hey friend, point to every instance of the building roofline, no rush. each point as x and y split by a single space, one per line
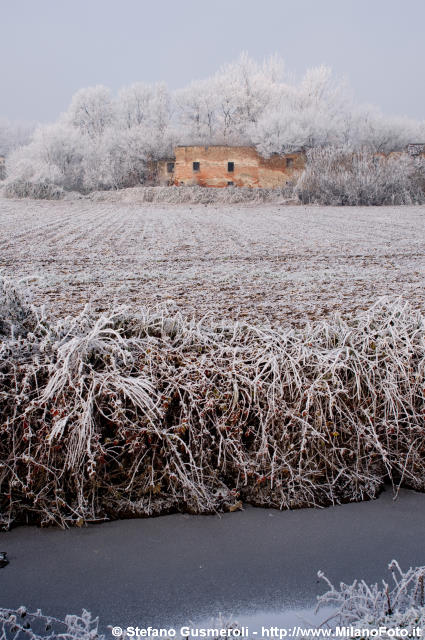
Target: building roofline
225 146
239 146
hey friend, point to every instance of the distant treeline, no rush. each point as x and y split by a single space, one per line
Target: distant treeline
105 142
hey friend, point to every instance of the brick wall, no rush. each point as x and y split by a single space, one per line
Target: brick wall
249 168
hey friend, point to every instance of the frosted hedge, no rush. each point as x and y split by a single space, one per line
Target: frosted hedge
120 415
341 176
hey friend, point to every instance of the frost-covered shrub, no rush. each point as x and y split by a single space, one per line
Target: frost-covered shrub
362 606
115 415
418 175
195 194
16 314
35 190
341 176
34 625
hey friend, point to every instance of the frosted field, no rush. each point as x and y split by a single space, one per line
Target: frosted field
254 262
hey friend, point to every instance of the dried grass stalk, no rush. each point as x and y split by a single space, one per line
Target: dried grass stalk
390 606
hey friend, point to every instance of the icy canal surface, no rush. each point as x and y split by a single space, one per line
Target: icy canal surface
258 565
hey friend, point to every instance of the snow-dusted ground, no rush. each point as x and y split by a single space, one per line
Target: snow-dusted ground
256 262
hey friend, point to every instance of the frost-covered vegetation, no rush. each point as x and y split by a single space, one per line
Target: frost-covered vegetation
37 190
22 624
105 141
365 607
195 195
335 176
361 607
118 415
14 135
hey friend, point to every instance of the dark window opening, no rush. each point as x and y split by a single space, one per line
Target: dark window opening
230 167
230 184
196 166
170 167
289 162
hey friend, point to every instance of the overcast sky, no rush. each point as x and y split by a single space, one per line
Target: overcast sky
51 48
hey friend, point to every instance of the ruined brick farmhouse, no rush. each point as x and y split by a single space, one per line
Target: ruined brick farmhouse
239 166
225 166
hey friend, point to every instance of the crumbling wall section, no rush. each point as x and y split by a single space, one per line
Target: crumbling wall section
223 166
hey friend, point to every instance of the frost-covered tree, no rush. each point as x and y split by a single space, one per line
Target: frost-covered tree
144 105
54 155
14 135
371 129
198 112
99 142
91 111
312 113
227 106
